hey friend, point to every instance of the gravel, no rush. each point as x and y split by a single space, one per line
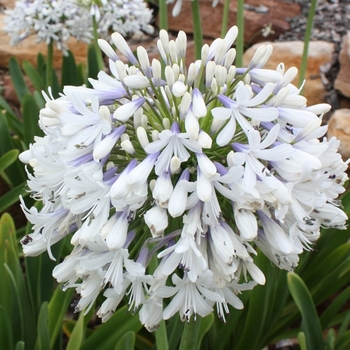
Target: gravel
331 21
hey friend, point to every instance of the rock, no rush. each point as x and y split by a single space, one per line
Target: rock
339 126
9 4
28 49
342 82
290 53
257 15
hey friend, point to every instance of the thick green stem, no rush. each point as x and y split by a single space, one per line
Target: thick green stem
310 22
190 334
163 15
225 16
240 36
49 62
197 29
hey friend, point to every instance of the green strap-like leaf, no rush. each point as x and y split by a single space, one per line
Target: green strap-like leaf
33 75
76 338
6 339
329 314
302 341
30 112
330 340
206 323
43 339
8 158
108 334
161 336
20 345
11 197
58 306
17 79
127 342
310 325
70 74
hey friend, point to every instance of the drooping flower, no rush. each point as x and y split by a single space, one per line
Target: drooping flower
199 180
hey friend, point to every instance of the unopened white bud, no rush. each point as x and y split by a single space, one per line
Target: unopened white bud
178 88
142 137
155 135
175 165
166 123
127 146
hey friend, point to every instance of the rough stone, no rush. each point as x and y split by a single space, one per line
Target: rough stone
9 4
257 15
28 49
339 126
290 53
342 82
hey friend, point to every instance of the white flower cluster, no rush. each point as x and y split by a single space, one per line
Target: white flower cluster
170 180
123 16
58 20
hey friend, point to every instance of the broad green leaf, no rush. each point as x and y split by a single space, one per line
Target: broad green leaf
6 106
175 329
39 99
310 325
58 306
127 342
77 335
70 74
41 63
16 171
327 266
107 335
332 310
14 124
93 64
11 197
14 294
30 112
8 158
343 336
161 336
33 75
6 339
258 309
302 341
330 340
56 88
17 79
206 323
20 345
43 339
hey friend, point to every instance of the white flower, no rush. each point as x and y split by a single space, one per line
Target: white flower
191 297
140 169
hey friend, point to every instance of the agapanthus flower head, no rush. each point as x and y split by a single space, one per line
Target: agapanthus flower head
51 21
199 167
56 21
123 16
